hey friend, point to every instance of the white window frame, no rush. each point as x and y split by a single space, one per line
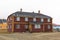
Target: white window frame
34 19
48 20
42 19
49 27
17 26
17 18
37 26
26 18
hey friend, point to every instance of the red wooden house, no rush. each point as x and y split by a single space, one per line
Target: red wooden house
29 21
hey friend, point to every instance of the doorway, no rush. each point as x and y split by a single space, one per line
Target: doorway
26 27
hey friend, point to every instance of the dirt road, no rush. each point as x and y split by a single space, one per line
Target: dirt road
31 36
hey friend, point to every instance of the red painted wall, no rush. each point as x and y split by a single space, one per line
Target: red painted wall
46 28
30 19
21 29
10 28
38 20
22 19
37 30
41 29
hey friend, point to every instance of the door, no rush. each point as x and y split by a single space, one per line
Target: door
30 28
26 27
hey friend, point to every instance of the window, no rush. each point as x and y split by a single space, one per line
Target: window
48 26
17 26
48 20
26 19
42 19
18 19
10 26
37 26
34 19
26 26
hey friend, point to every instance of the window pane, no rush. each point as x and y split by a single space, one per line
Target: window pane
37 26
26 19
18 19
17 26
48 20
34 19
42 19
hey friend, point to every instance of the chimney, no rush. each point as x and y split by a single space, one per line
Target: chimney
33 12
38 11
21 10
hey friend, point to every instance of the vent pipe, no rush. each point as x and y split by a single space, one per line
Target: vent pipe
21 10
38 11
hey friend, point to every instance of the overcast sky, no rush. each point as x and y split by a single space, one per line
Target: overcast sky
47 7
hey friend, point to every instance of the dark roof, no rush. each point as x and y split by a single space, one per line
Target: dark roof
29 14
3 20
